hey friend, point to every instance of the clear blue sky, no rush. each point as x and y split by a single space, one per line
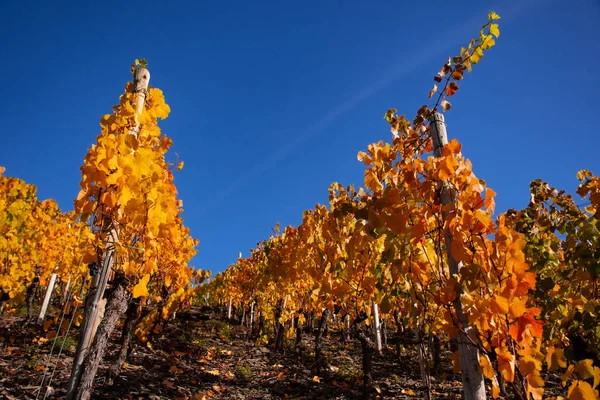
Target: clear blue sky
272 100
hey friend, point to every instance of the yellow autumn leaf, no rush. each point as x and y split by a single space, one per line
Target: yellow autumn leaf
214 372
180 166
494 30
499 305
486 367
371 180
535 380
567 375
528 365
141 288
585 369
109 199
581 390
476 55
517 307
125 195
316 379
487 42
493 16
555 358
536 392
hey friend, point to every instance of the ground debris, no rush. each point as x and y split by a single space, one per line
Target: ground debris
203 358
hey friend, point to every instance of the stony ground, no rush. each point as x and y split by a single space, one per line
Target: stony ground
212 359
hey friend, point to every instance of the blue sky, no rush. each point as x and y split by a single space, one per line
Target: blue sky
272 100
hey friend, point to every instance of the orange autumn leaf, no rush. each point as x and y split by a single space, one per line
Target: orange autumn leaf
446 167
451 89
490 204
453 147
459 251
433 90
506 363
445 105
175 370
526 322
495 388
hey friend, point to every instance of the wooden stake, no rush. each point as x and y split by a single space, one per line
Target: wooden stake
229 309
90 320
47 299
251 315
63 300
376 326
472 376
100 310
423 364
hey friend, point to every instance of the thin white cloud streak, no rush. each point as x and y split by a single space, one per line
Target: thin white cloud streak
434 49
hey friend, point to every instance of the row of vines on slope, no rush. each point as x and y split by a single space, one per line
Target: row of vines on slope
36 241
419 240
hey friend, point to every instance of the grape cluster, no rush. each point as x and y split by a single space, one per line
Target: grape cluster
93 267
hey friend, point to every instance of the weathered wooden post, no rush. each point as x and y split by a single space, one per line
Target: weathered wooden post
376 326
65 293
472 376
423 363
347 326
49 291
95 302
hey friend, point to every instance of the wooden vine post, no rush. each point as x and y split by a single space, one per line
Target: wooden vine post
95 302
376 327
423 363
65 293
472 376
47 298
